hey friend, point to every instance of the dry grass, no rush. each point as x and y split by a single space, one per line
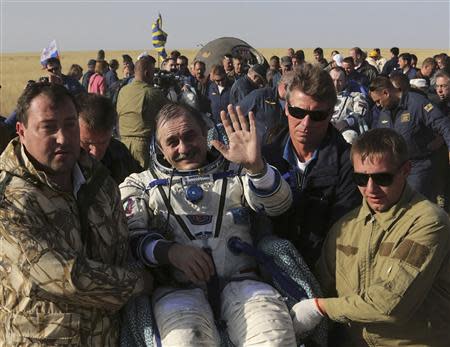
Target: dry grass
17 69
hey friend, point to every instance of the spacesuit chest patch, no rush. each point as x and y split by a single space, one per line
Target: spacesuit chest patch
240 216
199 219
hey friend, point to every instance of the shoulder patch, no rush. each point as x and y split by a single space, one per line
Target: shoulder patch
405 117
412 253
428 107
270 101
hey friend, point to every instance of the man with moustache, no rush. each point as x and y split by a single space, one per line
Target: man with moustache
186 208
314 157
64 237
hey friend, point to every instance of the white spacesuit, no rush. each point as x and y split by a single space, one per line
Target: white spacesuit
205 208
348 115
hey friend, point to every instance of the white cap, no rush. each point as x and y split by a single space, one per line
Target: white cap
143 54
338 58
418 83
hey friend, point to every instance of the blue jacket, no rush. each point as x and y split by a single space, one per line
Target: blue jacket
72 85
322 194
85 80
218 102
268 110
391 65
242 87
110 78
418 121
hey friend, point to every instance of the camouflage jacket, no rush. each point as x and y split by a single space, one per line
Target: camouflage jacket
63 280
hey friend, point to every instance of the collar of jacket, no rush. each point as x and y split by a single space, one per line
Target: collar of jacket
388 218
291 157
327 152
15 161
215 87
402 105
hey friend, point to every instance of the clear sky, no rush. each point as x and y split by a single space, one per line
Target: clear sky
28 26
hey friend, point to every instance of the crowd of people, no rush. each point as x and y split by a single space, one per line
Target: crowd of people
114 188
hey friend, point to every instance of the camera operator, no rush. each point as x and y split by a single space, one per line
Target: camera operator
176 82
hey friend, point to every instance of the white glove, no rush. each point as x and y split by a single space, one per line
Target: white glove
305 316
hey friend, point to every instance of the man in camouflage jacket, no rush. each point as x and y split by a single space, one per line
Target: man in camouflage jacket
64 238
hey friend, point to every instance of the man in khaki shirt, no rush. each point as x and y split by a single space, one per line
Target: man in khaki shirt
137 106
385 266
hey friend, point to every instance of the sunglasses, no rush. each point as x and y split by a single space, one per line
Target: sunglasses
300 113
383 179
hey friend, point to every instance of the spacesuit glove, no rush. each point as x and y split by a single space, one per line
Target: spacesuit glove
305 316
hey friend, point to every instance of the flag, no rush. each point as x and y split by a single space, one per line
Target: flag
50 52
159 37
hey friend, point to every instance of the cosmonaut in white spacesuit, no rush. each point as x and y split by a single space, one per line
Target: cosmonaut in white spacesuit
182 212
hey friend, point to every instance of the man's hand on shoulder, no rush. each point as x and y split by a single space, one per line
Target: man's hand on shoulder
194 262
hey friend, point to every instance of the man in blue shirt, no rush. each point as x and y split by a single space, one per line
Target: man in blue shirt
268 106
218 91
255 78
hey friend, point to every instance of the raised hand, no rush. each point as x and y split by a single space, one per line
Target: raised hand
244 146
194 262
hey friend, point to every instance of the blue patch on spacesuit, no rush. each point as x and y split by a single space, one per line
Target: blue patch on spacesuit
199 219
241 216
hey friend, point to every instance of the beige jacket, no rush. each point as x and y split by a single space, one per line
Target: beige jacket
389 274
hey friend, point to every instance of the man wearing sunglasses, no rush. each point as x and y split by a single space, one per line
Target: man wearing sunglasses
218 91
385 266
55 75
314 158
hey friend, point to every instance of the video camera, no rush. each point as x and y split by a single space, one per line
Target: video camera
166 80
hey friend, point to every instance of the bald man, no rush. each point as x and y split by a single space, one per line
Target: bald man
137 106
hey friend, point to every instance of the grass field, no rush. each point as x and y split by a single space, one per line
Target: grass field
16 69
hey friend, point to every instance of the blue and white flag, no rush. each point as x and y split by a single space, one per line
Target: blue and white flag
50 52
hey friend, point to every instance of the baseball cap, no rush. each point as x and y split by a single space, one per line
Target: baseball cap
338 59
373 53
